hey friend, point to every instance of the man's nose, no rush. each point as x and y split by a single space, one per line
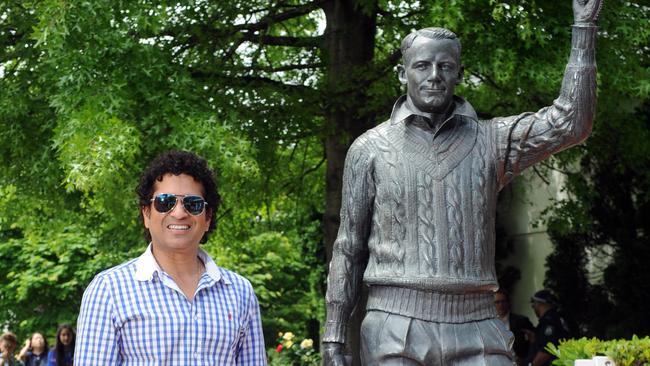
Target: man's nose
178 210
435 73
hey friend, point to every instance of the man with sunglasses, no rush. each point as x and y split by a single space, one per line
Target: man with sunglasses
172 305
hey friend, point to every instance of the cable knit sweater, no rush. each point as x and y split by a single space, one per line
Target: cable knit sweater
417 216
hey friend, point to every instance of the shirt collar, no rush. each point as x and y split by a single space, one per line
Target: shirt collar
402 110
146 265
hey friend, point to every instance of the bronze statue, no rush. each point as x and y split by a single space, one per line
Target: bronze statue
419 201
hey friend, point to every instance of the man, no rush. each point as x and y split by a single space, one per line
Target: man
172 305
517 324
419 201
550 329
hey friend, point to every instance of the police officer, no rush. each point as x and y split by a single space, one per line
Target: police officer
550 329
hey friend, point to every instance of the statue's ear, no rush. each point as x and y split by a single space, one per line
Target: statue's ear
461 73
401 74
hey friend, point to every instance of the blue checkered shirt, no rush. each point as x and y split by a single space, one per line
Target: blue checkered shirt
135 314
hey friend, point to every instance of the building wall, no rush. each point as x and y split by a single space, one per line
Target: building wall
520 208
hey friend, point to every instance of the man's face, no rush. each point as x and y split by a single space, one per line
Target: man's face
537 307
431 71
501 303
176 230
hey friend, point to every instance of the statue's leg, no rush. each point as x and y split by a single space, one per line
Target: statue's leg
384 339
395 340
498 341
481 343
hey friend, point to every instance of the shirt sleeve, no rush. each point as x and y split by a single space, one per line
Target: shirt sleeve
350 253
528 138
251 350
548 333
97 338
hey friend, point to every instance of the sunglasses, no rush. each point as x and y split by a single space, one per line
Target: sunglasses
165 202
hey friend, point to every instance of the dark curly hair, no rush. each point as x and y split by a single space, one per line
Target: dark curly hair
177 163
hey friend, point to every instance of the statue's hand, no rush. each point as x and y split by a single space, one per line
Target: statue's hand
333 354
586 11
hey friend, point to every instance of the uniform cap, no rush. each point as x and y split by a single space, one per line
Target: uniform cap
544 296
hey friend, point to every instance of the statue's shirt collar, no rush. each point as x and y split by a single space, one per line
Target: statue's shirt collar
439 153
402 110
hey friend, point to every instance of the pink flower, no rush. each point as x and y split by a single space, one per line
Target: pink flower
278 349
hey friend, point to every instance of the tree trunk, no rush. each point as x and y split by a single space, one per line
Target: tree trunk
349 46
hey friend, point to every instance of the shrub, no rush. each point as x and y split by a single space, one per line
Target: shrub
634 352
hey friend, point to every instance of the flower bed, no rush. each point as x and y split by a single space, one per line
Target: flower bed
290 353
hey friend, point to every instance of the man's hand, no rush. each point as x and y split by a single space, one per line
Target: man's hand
333 354
530 335
585 12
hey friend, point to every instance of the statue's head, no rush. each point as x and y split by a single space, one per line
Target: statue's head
431 68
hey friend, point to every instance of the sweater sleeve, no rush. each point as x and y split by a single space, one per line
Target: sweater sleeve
528 138
349 256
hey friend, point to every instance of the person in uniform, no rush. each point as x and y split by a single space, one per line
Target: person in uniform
552 327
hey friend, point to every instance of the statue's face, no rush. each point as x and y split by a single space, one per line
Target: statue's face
431 71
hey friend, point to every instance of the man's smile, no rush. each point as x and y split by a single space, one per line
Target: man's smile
178 227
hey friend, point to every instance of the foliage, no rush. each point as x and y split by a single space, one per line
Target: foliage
288 352
634 352
281 274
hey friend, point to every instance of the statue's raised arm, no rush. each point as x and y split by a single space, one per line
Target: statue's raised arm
528 138
586 12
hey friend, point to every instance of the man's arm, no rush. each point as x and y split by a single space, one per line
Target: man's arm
251 351
349 256
529 138
541 358
97 339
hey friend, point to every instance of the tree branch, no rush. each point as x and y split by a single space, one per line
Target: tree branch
486 79
288 67
376 73
244 80
541 176
313 42
548 165
294 12
303 175
388 15
192 34
274 83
